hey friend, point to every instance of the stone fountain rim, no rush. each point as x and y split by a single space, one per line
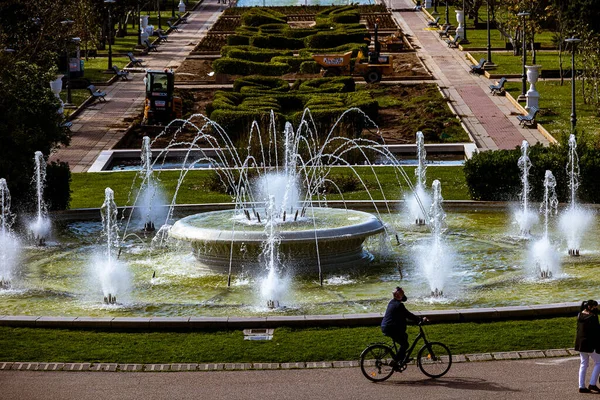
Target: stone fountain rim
370 225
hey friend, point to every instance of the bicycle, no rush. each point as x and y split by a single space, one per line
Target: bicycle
433 359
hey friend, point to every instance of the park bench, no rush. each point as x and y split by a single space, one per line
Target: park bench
135 61
433 23
173 27
445 32
96 93
150 46
182 19
124 75
161 36
499 87
478 68
528 119
453 42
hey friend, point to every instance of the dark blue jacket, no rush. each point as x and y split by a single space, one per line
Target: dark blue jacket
395 317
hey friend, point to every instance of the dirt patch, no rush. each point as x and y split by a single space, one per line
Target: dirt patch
200 70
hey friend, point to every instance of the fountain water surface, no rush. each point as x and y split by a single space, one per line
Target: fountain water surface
9 244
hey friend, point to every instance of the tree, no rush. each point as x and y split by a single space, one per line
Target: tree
29 122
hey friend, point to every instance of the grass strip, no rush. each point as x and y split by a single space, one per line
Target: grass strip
287 345
88 188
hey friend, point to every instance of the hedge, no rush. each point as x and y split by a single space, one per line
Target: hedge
262 83
495 175
262 16
293 62
58 186
233 66
238 40
310 67
276 42
252 53
328 85
325 40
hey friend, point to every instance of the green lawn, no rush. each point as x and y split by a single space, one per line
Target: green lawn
88 188
555 105
287 345
513 65
94 68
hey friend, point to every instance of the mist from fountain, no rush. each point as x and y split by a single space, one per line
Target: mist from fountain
111 273
435 258
419 200
9 244
525 217
39 228
574 221
543 257
150 201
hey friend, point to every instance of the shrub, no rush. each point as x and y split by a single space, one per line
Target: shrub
58 186
238 40
329 85
354 47
262 16
293 62
276 42
323 40
259 83
252 53
242 67
310 67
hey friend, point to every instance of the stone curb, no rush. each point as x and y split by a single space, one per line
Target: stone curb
200 323
188 367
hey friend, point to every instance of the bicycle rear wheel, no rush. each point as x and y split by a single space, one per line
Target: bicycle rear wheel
434 359
375 362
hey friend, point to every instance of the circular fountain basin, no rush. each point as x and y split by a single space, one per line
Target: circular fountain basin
330 237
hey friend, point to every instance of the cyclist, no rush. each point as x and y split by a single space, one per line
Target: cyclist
394 324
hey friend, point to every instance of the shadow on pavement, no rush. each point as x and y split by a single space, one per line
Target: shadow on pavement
454 383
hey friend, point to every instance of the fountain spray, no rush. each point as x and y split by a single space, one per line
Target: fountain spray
544 256
575 221
435 258
525 218
40 227
108 271
9 245
271 285
419 200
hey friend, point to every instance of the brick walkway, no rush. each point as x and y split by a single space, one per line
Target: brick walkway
488 118
101 125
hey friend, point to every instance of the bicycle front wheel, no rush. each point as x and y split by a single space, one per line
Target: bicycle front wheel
375 362
434 359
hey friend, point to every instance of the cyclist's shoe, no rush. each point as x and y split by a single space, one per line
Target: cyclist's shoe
408 360
594 388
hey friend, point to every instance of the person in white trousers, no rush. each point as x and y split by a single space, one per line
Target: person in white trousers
587 343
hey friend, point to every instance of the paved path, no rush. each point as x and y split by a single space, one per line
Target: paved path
523 379
488 118
101 125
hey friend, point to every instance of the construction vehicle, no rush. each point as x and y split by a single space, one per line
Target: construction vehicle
161 106
371 68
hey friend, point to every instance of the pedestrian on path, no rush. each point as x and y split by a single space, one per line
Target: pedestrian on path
587 343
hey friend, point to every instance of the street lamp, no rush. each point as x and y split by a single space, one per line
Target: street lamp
68 23
447 14
524 75
464 40
435 11
573 41
489 62
173 9
109 3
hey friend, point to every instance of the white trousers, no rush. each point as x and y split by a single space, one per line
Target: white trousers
585 359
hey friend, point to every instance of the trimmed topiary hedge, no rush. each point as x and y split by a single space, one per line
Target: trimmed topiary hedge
261 16
238 40
328 85
233 66
310 67
293 62
250 53
260 84
325 40
276 42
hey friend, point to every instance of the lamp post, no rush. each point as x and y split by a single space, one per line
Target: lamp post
109 3
447 14
573 41
524 75
68 23
173 9
435 11
489 63
158 5
464 39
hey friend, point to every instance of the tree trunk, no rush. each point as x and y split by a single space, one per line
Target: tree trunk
560 62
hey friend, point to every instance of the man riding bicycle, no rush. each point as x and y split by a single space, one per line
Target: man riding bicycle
394 324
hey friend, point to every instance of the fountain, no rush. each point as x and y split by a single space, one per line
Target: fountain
543 256
111 273
575 221
40 226
150 198
525 217
435 258
9 245
419 200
